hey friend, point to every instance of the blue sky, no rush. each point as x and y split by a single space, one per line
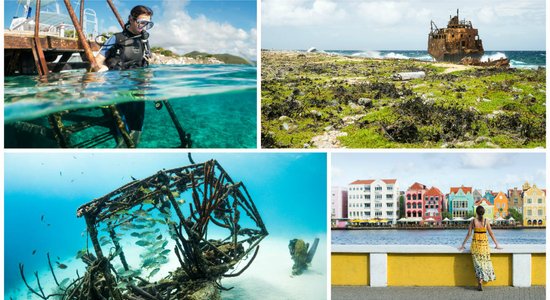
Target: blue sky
214 26
494 171
397 24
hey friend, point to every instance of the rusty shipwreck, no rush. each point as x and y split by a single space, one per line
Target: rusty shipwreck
459 40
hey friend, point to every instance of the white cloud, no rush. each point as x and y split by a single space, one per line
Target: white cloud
301 12
176 30
483 160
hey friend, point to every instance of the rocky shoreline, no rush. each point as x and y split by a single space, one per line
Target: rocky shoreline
329 101
159 59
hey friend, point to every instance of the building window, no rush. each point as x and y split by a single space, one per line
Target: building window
378 197
529 200
389 213
377 188
390 187
529 212
368 197
389 196
540 212
389 205
378 205
408 196
540 200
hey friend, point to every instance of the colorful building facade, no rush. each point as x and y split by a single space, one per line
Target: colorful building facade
515 199
461 202
414 200
501 205
534 207
339 202
433 204
489 209
373 199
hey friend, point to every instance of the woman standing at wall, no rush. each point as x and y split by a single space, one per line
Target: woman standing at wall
480 248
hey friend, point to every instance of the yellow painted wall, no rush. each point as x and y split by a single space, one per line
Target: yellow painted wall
443 270
350 269
538 269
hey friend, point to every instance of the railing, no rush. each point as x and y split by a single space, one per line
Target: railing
434 265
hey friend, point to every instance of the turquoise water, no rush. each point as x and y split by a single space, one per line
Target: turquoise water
216 104
432 237
518 59
43 191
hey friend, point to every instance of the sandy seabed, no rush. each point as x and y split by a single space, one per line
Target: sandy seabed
268 277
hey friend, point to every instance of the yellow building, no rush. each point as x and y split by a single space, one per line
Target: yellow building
534 207
501 206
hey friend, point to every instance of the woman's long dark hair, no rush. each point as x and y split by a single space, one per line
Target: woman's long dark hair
480 211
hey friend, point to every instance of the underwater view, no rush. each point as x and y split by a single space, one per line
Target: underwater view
214 104
169 225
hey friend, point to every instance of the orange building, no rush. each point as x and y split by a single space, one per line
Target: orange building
501 205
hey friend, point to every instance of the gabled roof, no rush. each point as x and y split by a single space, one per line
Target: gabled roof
369 181
479 202
466 190
433 191
362 182
417 186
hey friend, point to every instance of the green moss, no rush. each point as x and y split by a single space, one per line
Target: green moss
452 110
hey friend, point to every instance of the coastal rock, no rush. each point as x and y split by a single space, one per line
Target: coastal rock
328 139
354 106
159 59
366 102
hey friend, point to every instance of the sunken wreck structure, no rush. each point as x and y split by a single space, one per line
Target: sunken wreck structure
459 40
192 226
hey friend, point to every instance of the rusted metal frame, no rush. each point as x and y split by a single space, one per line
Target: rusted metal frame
82 14
41 64
61 63
120 125
56 124
101 216
185 138
92 230
81 36
115 12
118 249
246 266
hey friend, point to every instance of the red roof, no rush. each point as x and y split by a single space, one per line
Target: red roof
369 181
417 186
362 182
466 190
433 192
479 202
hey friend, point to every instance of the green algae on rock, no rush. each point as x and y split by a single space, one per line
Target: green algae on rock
332 101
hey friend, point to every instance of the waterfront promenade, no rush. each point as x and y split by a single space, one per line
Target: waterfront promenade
422 293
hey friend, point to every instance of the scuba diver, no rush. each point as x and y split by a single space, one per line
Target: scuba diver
300 255
125 50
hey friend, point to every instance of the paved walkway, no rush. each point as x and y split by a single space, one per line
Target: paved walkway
423 293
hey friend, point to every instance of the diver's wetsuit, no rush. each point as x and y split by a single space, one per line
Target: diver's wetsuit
123 51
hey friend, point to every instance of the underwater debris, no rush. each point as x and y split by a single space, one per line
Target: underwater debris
215 235
300 254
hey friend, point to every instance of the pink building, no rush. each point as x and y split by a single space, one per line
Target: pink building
433 204
413 200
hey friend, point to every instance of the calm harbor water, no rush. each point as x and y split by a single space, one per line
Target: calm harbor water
216 104
432 237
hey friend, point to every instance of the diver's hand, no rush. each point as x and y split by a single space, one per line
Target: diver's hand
103 69
461 248
497 246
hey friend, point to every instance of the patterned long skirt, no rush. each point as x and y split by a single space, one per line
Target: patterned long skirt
482 256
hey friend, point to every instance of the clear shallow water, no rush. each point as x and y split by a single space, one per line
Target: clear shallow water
55 185
518 59
431 237
215 103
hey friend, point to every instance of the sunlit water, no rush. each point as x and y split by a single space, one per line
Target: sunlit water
44 190
216 104
432 237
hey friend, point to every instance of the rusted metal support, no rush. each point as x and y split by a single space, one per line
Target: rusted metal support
57 127
82 13
120 125
81 37
115 11
41 64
